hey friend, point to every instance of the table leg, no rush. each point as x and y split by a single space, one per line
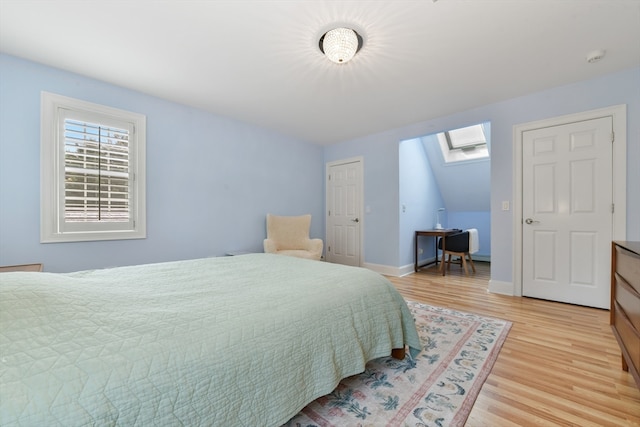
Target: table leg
415 254
442 263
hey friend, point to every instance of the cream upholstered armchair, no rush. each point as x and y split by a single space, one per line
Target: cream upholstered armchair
289 235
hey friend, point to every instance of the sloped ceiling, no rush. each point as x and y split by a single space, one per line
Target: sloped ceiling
464 186
259 62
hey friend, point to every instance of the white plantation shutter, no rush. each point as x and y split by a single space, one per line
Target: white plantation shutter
97 180
93 172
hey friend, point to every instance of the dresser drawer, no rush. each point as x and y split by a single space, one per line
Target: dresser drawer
629 301
628 266
629 337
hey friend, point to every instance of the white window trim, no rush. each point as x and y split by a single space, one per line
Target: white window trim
52 172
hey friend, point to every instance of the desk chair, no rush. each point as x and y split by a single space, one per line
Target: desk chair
462 244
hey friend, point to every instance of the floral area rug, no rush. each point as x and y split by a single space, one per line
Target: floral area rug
436 389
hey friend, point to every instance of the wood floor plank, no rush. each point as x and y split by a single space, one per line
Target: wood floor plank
560 364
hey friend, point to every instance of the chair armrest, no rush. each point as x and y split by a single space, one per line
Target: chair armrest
270 246
315 246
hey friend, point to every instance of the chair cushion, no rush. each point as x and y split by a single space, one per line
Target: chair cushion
299 254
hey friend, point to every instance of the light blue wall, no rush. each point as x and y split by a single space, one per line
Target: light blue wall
381 194
215 201
381 173
419 198
466 190
465 186
210 180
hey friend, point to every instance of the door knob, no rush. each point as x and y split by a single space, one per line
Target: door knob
530 221
355 220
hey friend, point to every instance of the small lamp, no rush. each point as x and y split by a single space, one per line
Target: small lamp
438 225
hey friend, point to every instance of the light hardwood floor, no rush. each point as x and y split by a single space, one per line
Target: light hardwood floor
560 364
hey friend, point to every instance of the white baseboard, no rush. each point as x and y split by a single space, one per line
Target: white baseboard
386 270
406 269
498 287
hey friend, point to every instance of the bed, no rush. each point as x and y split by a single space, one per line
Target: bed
230 341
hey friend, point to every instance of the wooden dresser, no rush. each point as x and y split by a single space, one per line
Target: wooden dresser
625 303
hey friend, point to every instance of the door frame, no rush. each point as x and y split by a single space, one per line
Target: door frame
328 166
619 186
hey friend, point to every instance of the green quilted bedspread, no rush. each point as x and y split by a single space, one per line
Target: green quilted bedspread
230 341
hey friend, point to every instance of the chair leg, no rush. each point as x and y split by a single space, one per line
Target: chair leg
463 262
471 262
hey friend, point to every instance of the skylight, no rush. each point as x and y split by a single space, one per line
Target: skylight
467 143
465 138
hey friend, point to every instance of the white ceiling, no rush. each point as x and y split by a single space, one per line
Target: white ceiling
258 61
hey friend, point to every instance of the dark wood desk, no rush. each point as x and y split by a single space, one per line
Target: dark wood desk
435 234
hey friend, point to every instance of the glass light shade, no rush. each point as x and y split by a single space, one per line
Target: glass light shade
340 45
438 226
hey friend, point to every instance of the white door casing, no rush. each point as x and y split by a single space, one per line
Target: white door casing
344 212
566 206
564 256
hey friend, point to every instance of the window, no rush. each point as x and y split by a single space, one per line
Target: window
468 143
93 169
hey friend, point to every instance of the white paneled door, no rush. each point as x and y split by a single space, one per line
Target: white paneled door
344 220
567 212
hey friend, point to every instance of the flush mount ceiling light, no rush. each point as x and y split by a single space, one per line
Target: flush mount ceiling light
340 44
